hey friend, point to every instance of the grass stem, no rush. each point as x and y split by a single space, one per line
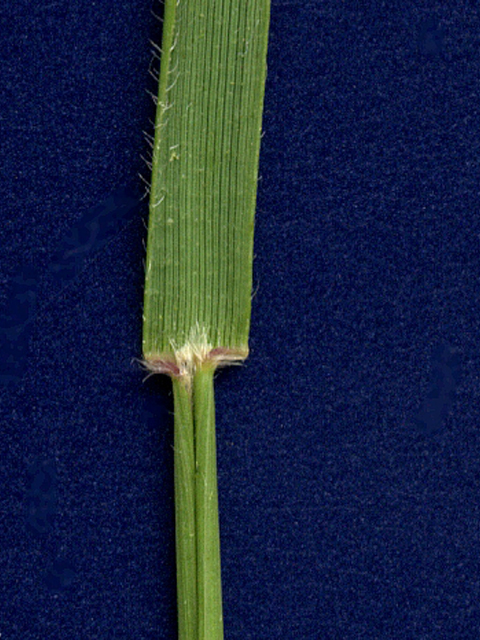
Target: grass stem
185 523
209 588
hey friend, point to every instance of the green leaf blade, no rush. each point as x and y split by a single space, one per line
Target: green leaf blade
204 179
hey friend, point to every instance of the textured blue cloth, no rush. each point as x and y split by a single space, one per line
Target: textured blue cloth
349 443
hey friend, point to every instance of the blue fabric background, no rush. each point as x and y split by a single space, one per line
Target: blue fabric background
349 443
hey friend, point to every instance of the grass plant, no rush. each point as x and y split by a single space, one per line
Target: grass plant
199 258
